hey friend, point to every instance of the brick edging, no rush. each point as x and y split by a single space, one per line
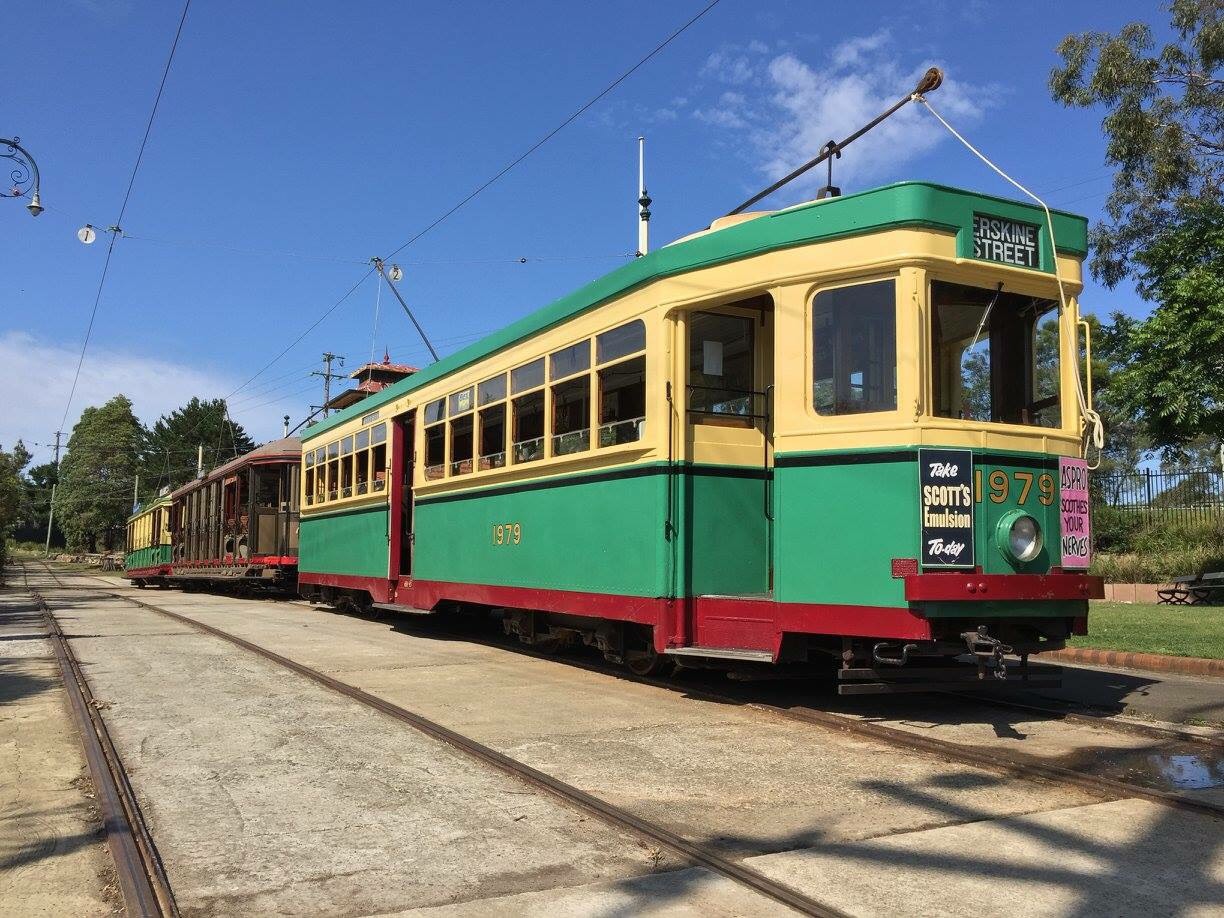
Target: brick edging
1155 662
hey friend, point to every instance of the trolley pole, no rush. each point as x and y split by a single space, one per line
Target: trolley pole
328 376
54 485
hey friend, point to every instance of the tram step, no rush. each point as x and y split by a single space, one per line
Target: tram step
724 653
393 607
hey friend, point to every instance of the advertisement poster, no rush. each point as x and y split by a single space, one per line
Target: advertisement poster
945 484
1073 516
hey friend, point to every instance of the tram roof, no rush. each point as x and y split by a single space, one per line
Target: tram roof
903 204
284 448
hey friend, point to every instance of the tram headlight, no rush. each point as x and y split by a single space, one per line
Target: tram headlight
1019 536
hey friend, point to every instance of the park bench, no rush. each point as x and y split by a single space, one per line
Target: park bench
1193 589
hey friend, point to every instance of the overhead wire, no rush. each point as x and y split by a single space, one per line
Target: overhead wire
110 249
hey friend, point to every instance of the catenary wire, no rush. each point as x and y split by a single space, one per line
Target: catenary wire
93 314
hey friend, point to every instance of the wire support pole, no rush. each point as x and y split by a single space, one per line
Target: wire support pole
378 264
930 81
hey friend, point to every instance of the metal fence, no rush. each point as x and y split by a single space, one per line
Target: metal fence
1189 495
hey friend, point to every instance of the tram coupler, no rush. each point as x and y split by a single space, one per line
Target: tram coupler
991 653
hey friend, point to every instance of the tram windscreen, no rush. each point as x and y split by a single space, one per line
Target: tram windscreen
995 355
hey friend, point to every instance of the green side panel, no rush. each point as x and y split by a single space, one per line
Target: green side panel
837 528
724 535
601 534
146 557
351 542
905 204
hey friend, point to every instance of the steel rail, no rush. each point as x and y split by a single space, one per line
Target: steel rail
693 852
142 879
1015 764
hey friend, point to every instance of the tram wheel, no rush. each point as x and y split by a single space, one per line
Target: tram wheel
642 659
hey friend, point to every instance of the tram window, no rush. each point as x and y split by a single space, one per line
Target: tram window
571 416
309 488
995 355
378 466
361 470
721 372
363 439
333 450
529 427
854 349
493 437
527 377
620 342
346 446
346 476
435 452
379 434
491 390
622 402
333 479
569 360
267 488
435 411
460 402
461 444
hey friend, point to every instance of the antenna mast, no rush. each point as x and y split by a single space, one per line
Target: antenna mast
643 202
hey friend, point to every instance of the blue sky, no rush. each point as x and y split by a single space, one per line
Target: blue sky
296 140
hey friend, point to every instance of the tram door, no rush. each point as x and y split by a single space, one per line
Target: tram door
403 460
725 488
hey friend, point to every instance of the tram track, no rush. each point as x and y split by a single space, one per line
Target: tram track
140 874
692 852
1013 764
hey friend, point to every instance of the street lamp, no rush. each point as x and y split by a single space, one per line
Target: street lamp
24 174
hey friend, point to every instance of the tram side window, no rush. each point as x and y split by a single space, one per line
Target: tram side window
461 445
435 440
527 410
995 356
346 467
333 470
361 466
721 372
571 399
308 487
491 425
854 349
320 475
378 456
622 386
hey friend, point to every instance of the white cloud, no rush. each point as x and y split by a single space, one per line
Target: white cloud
789 108
36 376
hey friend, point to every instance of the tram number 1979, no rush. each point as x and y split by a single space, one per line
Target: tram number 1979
507 533
999 485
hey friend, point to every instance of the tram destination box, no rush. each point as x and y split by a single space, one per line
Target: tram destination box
945 485
1005 241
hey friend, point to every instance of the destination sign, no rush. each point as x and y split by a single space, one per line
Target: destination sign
945 481
1006 241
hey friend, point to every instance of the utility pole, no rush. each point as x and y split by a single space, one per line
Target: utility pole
54 485
328 376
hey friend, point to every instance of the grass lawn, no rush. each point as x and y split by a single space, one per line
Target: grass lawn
1183 631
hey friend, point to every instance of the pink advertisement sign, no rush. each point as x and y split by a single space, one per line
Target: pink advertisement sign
1073 513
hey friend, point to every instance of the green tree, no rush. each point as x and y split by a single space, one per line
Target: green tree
97 475
1170 366
170 447
12 494
1164 125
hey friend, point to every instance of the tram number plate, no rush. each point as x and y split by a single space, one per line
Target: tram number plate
945 483
507 533
1005 241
